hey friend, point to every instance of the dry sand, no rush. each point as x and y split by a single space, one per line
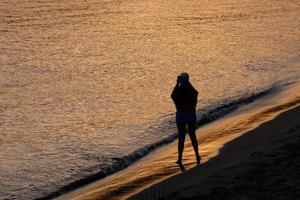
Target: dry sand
262 164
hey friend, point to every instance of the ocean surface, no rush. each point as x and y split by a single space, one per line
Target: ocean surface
85 84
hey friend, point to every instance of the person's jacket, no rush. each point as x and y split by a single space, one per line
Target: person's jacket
185 97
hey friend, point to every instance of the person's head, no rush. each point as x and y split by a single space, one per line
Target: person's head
184 77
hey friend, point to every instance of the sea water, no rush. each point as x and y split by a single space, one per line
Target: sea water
87 83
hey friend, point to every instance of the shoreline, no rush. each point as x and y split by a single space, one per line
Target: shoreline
209 115
159 165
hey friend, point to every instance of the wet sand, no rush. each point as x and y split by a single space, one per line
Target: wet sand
261 164
225 144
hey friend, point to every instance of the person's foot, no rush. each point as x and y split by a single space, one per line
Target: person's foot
179 162
198 159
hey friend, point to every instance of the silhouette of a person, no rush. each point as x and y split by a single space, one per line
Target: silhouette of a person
185 97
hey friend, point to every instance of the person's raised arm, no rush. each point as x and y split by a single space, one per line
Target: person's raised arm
174 93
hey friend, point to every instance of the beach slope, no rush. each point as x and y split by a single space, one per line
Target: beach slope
260 164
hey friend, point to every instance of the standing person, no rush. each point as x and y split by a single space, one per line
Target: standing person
185 96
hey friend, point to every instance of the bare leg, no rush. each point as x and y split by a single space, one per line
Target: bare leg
181 137
192 134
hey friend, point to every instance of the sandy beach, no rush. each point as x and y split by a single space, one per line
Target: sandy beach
248 154
261 164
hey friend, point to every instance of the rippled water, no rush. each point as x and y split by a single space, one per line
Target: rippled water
84 82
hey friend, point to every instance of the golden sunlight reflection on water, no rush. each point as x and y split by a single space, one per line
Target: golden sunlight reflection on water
83 82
